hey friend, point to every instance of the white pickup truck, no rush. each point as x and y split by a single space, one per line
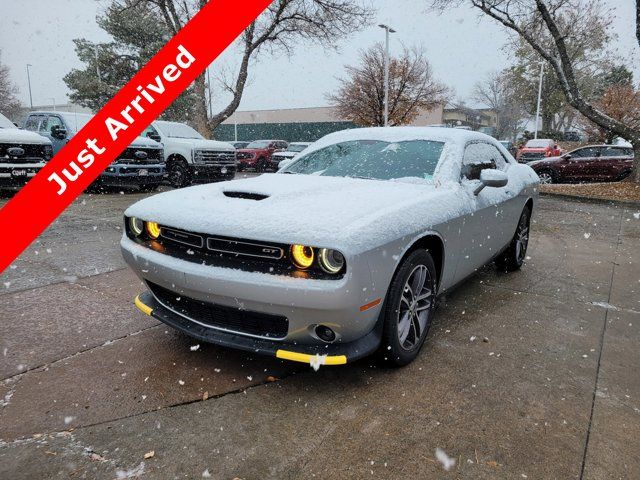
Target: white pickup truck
189 156
22 154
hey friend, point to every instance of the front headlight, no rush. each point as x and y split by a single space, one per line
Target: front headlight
136 226
331 261
153 229
48 152
302 256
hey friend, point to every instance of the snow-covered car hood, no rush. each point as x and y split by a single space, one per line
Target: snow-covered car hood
22 136
353 215
203 144
144 142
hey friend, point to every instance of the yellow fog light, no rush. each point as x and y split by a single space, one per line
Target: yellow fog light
302 256
153 229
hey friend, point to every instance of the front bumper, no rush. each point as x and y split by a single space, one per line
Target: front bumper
348 305
123 174
328 354
15 176
204 171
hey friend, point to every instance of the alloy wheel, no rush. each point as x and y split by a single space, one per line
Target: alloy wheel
545 178
415 308
522 238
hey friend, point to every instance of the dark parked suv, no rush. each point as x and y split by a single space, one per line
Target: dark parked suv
597 163
257 155
140 165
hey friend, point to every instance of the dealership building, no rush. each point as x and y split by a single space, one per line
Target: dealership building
310 124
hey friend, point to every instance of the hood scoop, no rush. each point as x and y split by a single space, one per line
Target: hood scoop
246 195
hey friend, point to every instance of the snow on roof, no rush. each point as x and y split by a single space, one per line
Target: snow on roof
400 134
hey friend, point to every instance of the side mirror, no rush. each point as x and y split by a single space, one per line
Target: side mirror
154 136
566 156
58 132
490 177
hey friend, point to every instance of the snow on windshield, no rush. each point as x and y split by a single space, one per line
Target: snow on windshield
5 122
76 121
177 130
539 143
259 144
297 147
372 159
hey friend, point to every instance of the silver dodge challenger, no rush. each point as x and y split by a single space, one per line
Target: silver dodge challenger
340 254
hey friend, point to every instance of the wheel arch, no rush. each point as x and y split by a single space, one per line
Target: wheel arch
176 157
432 242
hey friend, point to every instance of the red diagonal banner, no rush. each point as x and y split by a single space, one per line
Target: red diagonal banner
121 120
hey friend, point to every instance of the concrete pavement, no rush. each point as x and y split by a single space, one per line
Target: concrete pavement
91 385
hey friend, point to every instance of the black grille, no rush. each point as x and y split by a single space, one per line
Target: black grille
31 153
144 156
235 319
528 156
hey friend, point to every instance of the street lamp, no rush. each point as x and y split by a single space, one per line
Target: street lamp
387 30
535 132
29 82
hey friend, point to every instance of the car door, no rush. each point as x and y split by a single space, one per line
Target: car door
488 229
47 127
576 165
614 162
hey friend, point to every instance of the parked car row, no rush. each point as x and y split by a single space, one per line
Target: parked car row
166 150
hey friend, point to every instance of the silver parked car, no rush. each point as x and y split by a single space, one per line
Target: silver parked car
339 255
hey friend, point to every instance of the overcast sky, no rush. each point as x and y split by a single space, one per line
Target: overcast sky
461 46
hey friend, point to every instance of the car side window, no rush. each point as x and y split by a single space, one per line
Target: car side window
588 152
33 122
479 156
52 121
149 130
611 152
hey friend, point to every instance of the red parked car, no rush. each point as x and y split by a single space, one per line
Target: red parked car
597 163
257 155
538 148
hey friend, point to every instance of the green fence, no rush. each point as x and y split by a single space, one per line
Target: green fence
291 132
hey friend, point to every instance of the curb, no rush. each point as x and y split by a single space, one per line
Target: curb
600 201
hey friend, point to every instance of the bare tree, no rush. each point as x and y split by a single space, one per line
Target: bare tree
280 28
544 25
9 103
360 97
497 91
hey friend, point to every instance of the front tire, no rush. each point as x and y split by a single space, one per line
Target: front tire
179 174
513 257
408 309
546 177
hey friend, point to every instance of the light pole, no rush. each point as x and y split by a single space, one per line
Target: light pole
535 132
387 30
29 82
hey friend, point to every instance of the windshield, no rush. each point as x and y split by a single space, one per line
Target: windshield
5 122
178 130
538 143
76 121
259 144
296 147
372 159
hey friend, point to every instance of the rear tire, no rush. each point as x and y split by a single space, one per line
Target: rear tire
408 309
513 257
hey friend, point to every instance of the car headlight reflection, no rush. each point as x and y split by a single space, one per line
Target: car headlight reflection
153 229
136 225
331 261
302 256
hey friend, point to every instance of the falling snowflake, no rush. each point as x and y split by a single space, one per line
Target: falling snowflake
317 360
193 348
587 235
181 382
68 420
447 462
